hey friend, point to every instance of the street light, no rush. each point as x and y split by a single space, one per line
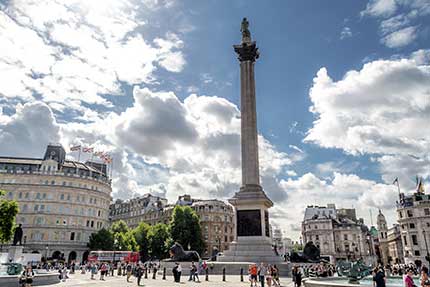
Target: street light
427 248
115 242
46 252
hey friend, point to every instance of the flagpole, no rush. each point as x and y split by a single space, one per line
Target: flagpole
398 187
111 168
371 217
79 160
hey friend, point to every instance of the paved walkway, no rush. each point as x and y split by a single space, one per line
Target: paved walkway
215 281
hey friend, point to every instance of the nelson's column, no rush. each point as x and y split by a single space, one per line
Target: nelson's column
252 242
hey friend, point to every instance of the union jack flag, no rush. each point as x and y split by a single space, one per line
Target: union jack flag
88 149
75 148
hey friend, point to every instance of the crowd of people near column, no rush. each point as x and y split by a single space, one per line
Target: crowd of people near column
264 273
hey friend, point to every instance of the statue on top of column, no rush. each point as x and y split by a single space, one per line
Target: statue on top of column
246 35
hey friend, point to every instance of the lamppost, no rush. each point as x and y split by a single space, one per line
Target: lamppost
359 245
46 252
115 242
427 248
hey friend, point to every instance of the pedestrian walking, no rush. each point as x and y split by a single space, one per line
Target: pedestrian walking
253 270
379 279
177 270
409 282
262 270
128 268
93 269
103 271
139 274
269 276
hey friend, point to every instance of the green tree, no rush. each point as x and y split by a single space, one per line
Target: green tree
119 227
125 241
101 240
185 228
159 239
140 233
8 211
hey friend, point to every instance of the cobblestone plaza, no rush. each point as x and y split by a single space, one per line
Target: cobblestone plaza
214 280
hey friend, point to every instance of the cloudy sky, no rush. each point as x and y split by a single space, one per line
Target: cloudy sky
343 95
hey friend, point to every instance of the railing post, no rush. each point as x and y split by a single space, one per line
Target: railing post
146 272
164 273
207 274
223 274
154 273
241 274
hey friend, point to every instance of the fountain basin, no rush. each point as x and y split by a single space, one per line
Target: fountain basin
41 277
394 281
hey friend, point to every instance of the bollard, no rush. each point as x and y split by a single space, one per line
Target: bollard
164 273
207 274
241 274
154 272
146 273
223 274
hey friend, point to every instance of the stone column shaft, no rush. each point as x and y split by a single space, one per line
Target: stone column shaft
249 136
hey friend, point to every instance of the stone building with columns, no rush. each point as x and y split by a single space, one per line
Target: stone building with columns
61 202
216 217
413 216
337 233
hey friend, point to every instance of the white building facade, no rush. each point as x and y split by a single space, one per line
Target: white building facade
61 202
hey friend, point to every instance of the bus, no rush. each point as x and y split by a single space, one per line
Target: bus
113 256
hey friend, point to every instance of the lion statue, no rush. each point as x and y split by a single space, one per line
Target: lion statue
177 253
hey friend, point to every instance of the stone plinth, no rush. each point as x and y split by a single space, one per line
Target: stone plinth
15 253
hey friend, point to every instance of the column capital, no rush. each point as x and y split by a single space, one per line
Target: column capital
247 51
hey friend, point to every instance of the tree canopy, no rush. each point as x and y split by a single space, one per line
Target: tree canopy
140 233
159 241
8 211
101 240
185 228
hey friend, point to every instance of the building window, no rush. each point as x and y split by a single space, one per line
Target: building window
345 237
317 237
26 195
38 196
88 223
62 196
412 225
72 236
414 239
36 207
44 196
20 195
417 253
426 211
409 212
405 241
92 223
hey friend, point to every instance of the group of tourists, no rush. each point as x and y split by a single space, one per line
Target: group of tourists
408 272
264 273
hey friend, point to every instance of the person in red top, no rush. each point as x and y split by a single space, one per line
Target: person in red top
253 270
409 282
